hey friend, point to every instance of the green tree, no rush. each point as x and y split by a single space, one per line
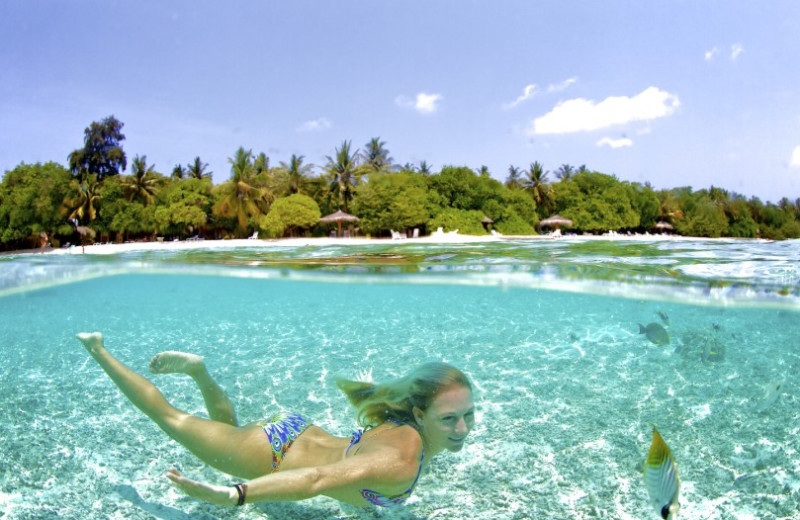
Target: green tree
513 181
456 187
241 196
178 172
102 154
143 183
396 201
261 163
535 183
134 218
424 168
197 169
344 174
740 219
647 204
597 202
294 175
565 172
183 207
466 222
83 199
483 171
295 213
30 199
704 218
376 156
518 215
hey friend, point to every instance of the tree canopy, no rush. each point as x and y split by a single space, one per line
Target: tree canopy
288 199
102 153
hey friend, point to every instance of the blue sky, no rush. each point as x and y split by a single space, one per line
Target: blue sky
677 93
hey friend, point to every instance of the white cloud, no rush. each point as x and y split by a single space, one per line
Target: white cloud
561 86
423 103
736 50
532 90
528 92
317 125
622 142
577 115
710 54
795 162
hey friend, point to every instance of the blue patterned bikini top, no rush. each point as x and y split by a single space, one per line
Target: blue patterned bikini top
378 499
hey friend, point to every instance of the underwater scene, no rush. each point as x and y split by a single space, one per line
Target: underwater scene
577 350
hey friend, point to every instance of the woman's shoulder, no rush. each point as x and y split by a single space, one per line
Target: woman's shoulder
405 440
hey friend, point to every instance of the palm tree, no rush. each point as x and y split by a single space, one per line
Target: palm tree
178 172
483 171
143 183
83 199
296 174
241 196
424 168
344 173
376 156
513 179
565 172
261 163
197 169
535 181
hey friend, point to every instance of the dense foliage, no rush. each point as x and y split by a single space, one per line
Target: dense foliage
52 202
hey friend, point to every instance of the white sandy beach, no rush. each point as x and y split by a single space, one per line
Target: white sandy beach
444 238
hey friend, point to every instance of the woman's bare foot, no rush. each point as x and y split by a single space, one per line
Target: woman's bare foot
172 361
93 341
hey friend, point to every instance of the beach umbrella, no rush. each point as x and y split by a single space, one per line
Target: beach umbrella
85 231
339 217
661 225
555 220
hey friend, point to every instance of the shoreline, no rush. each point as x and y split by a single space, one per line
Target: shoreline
446 238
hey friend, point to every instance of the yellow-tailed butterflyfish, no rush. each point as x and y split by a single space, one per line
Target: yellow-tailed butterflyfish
661 478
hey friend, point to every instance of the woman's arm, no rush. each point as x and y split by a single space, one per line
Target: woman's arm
284 486
385 469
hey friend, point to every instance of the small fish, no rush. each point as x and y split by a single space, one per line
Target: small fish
661 478
664 318
770 396
655 333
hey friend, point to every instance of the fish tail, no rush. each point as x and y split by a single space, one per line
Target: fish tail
642 329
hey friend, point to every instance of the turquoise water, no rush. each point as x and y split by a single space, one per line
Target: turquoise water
567 388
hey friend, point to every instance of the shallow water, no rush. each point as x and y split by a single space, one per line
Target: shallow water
568 390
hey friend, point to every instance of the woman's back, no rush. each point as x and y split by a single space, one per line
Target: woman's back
396 447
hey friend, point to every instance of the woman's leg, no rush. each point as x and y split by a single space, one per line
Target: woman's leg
241 451
219 406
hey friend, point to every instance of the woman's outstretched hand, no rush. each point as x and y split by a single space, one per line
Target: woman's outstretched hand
221 495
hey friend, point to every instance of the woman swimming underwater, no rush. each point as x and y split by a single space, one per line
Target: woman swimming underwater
407 422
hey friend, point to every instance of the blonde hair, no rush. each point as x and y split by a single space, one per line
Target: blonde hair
395 400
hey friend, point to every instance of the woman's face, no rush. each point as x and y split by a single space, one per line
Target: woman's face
448 420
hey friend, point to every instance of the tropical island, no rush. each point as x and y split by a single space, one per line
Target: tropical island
92 200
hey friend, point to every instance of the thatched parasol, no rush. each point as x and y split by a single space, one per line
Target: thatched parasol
661 225
555 220
85 231
339 217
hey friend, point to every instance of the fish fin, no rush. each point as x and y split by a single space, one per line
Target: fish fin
642 329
